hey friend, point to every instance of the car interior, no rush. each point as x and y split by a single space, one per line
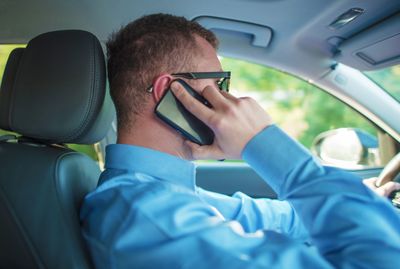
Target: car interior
42 181
54 92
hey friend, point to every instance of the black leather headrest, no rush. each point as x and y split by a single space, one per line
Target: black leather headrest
55 89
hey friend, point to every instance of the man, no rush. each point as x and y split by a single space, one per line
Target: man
147 211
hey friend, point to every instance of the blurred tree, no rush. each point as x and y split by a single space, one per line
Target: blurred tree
300 108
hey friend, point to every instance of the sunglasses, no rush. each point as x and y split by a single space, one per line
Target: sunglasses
223 82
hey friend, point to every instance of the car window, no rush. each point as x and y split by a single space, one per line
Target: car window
310 115
5 51
388 79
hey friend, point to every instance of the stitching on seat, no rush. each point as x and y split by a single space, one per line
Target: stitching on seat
92 97
91 106
20 62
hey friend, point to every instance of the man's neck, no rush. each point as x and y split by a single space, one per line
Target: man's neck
155 135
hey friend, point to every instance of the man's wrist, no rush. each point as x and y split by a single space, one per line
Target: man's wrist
273 154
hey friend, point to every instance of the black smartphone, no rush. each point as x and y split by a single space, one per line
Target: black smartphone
170 110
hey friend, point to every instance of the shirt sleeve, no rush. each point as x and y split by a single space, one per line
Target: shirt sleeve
257 214
350 225
168 226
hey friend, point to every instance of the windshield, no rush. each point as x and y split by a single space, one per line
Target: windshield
388 79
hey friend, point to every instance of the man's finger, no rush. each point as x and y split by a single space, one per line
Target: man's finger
190 103
370 182
214 97
229 96
388 188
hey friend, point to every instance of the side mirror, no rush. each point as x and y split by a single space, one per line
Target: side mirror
347 148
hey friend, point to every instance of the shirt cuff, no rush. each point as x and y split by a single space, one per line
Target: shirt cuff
273 154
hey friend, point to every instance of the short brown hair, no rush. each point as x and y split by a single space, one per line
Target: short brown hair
143 49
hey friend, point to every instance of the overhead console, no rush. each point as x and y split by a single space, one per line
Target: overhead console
374 48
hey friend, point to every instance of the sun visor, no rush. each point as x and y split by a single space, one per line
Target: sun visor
374 48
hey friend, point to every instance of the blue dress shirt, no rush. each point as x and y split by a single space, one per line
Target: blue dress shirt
148 213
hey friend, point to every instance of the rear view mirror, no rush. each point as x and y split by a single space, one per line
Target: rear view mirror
347 148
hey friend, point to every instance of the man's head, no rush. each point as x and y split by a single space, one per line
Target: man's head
147 48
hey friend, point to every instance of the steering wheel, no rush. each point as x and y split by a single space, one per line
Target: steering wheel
389 173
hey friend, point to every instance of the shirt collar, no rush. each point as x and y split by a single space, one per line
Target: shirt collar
152 162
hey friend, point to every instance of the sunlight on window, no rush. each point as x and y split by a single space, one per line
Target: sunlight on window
300 108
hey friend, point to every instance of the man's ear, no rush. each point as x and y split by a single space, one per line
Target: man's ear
160 85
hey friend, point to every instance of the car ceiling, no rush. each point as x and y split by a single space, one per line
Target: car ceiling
301 42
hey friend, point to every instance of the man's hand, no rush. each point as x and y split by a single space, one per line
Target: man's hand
384 190
234 121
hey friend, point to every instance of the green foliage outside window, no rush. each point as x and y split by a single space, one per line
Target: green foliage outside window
388 79
300 108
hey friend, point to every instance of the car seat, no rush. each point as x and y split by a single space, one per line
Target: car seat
53 92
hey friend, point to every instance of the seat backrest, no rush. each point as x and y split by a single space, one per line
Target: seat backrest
53 92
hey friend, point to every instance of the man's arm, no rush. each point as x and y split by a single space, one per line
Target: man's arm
257 214
271 214
350 225
385 190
